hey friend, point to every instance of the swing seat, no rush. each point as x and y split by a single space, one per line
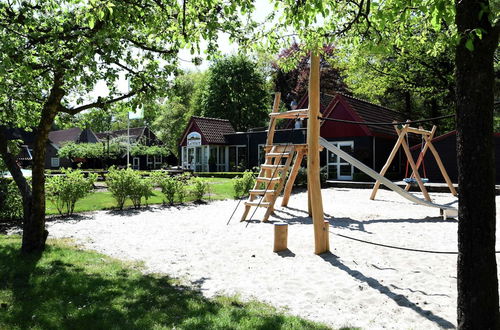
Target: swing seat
414 181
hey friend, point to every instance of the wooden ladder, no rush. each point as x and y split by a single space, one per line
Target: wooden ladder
271 179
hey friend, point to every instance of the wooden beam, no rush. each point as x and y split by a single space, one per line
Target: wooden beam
401 137
441 168
313 165
420 131
272 121
421 156
406 148
292 177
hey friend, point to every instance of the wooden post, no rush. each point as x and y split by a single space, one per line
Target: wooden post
292 176
400 140
421 156
280 236
313 165
406 148
441 167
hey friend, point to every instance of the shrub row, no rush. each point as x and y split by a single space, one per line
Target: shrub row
127 183
176 186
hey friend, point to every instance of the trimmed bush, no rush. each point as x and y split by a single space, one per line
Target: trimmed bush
66 189
11 202
140 188
199 189
167 185
181 190
120 182
241 186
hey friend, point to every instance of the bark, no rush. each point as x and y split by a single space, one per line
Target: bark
15 170
34 232
477 283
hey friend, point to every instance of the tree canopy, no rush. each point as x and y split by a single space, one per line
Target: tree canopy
236 90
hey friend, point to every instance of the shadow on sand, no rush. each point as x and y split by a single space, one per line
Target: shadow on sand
385 290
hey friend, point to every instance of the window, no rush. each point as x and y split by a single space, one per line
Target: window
237 158
338 168
54 162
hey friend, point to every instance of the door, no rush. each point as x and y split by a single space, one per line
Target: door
338 168
136 165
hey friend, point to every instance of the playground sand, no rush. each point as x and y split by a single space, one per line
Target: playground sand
357 284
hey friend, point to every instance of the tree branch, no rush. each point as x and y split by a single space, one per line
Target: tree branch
99 103
150 48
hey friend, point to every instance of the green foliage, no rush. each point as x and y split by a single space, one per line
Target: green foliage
142 150
11 202
73 150
242 185
167 184
100 150
66 189
181 190
120 182
140 188
199 188
236 91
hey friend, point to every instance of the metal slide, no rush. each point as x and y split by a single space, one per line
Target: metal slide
448 211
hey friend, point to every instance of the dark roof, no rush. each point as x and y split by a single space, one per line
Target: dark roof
134 132
213 129
88 136
65 135
374 113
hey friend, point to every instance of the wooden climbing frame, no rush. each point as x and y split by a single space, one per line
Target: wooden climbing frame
279 159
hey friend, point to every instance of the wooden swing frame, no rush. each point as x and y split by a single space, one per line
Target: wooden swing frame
427 137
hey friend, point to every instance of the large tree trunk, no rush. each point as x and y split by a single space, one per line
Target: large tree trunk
477 305
14 169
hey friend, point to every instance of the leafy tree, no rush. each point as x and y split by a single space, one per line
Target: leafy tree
475 27
53 53
293 83
236 91
182 103
412 72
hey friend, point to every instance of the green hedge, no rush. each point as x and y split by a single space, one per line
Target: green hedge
228 175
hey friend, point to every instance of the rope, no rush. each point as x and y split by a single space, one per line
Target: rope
398 247
385 123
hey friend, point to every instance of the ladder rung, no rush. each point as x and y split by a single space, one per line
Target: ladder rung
270 167
257 203
264 179
261 192
277 154
301 113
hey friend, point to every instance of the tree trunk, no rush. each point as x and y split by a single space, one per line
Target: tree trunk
477 305
15 171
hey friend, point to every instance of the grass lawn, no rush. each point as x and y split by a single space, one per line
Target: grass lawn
67 288
220 188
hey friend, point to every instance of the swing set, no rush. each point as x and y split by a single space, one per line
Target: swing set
415 179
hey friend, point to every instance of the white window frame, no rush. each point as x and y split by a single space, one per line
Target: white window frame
338 163
54 161
134 166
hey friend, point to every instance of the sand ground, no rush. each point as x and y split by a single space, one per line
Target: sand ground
358 284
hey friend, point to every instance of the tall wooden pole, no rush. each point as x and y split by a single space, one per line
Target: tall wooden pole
321 237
